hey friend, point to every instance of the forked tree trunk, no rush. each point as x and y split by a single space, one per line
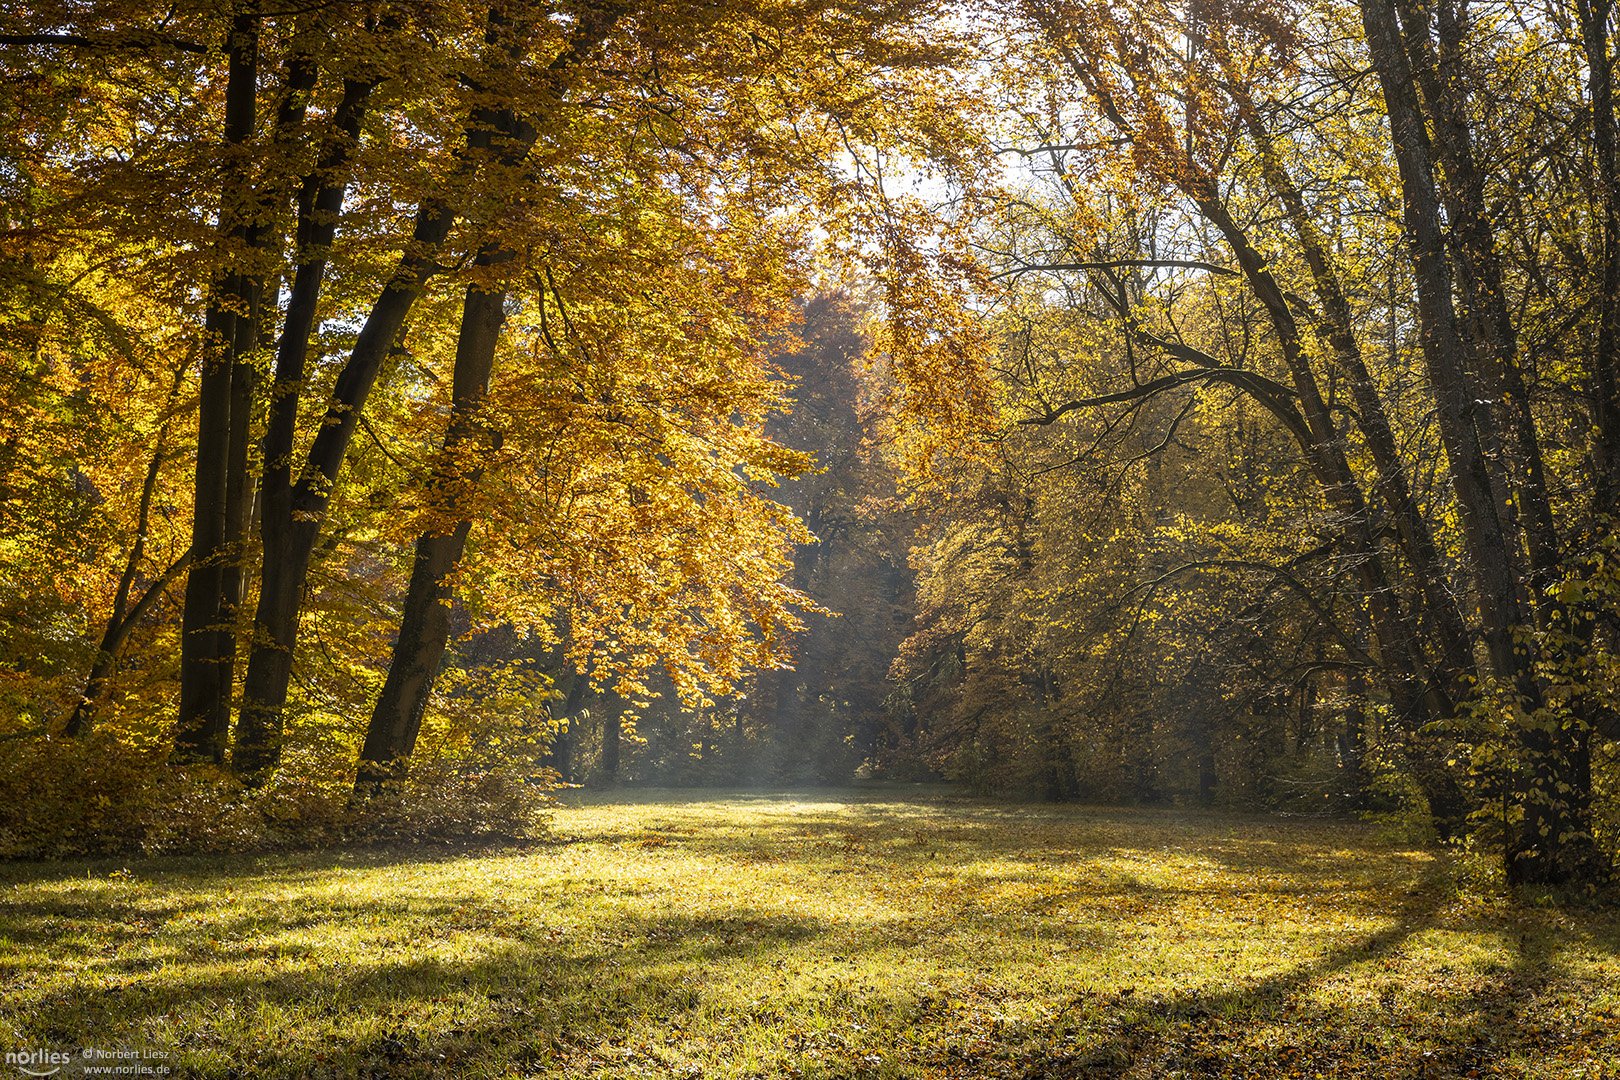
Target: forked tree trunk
258 733
1553 843
281 589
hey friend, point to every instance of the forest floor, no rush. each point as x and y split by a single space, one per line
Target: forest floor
886 933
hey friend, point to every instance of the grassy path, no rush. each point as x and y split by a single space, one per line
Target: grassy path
885 934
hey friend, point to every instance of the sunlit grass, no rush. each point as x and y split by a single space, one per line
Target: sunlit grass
873 934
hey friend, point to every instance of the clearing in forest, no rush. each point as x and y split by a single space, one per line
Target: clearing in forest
881 933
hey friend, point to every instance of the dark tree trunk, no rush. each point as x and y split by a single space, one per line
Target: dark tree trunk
1553 844
396 718
424 628
560 755
281 589
258 734
204 719
425 624
1500 602
1353 740
1594 15
1417 539
1491 337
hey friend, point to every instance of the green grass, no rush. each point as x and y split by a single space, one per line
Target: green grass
884 933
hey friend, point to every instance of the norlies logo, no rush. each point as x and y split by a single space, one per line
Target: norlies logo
38 1062
90 1061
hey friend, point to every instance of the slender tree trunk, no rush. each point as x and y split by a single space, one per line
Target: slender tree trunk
113 639
1500 602
238 488
424 631
1353 740
1553 842
1491 336
424 628
1594 16
119 621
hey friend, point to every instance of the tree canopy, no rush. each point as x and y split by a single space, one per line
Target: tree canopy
1196 400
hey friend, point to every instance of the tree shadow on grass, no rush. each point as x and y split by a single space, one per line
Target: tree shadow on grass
420 984
1499 1024
1123 1033
530 997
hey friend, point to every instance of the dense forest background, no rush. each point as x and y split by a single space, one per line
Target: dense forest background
407 406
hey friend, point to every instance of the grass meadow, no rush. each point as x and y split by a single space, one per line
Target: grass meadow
883 933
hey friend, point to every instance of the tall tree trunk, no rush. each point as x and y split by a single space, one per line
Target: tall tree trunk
286 566
1595 39
425 622
1393 486
1491 336
1553 841
121 620
204 719
1415 698
258 733
1500 601
424 629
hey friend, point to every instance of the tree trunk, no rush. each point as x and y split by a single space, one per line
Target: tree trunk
113 639
1491 336
560 755
1553 843
1594 16
1500 602
281 589
205 642
1353 740
424 629
258 733
1417 539
281 593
